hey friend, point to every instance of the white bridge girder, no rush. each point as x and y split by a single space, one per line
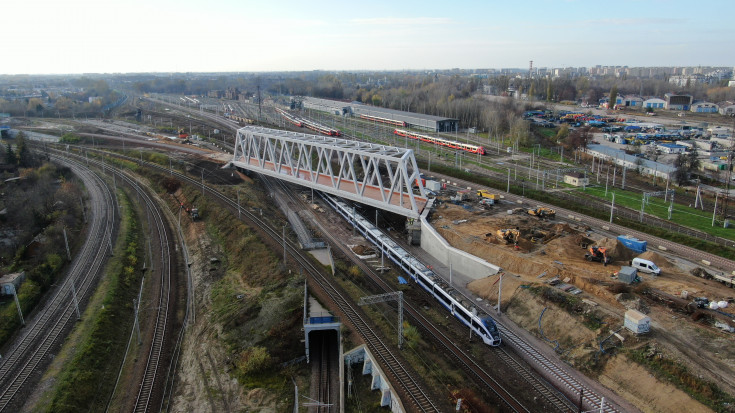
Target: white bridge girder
377 175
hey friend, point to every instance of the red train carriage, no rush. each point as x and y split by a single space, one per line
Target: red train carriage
442 142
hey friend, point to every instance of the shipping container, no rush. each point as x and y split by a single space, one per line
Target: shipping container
633 244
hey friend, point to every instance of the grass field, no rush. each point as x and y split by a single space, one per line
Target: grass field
681 214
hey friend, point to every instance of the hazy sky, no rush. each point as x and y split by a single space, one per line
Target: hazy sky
76 36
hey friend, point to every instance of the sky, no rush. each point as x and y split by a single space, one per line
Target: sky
106 36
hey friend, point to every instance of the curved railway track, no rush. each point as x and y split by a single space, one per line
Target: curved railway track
392 365
47 329
152 388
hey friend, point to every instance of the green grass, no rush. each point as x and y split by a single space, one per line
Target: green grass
551 198
681 214
88 379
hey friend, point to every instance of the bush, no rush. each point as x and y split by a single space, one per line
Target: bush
254 360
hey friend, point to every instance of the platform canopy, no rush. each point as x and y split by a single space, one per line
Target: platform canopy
377 175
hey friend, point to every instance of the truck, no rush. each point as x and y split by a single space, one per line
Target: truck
483 193
194 214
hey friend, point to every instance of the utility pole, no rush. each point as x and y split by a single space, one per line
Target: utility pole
284 245
76 302
135 321
17 303
714 210
500 289
612 207
66 243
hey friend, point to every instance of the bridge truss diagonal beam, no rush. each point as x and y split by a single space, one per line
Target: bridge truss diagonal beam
377 175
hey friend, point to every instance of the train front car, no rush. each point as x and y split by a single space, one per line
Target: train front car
481 150
491 334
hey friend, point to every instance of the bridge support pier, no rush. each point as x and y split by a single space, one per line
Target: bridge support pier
379 381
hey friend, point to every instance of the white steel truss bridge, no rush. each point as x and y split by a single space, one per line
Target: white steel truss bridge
377 175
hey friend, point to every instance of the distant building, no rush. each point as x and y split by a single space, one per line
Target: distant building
632 101
214 94
231 93
576 179
727 110
704 107
654 103
645 166
671 148
415 120
676 101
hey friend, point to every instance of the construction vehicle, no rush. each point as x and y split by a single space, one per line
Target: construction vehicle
597 254
508 235
542 213
483 193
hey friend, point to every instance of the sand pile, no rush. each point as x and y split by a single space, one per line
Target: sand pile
657 259
615 249
362 250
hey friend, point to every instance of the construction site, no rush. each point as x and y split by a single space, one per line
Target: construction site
572 285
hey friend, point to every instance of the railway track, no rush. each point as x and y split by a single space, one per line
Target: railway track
151 386
571 216
484 379
45 332
392 365
152 389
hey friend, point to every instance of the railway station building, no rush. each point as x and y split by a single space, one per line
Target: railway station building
415 120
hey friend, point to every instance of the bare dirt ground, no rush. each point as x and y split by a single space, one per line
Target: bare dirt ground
549 249
203 385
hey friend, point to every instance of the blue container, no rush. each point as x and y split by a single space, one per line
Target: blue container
633 244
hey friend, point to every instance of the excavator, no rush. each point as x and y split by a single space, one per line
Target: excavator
508 235
598 254
542 213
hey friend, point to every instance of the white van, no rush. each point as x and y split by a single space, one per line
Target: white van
645 266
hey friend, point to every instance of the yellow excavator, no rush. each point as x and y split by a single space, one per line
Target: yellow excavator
508 235
542 213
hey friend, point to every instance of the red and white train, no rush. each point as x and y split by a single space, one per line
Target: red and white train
439 141
384 120
290 118
324 130
316 127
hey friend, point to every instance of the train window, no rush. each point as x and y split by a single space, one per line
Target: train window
440 295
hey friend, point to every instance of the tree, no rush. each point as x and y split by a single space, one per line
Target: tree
693 160
578 139
376 100
24 154
613 97
563 132
681 173
685 164
10 158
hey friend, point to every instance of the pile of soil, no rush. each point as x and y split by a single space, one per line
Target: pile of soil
362 250
661 261
616 250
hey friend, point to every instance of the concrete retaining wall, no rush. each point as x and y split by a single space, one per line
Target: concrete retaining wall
461 261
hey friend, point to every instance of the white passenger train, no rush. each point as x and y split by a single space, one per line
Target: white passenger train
466 311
